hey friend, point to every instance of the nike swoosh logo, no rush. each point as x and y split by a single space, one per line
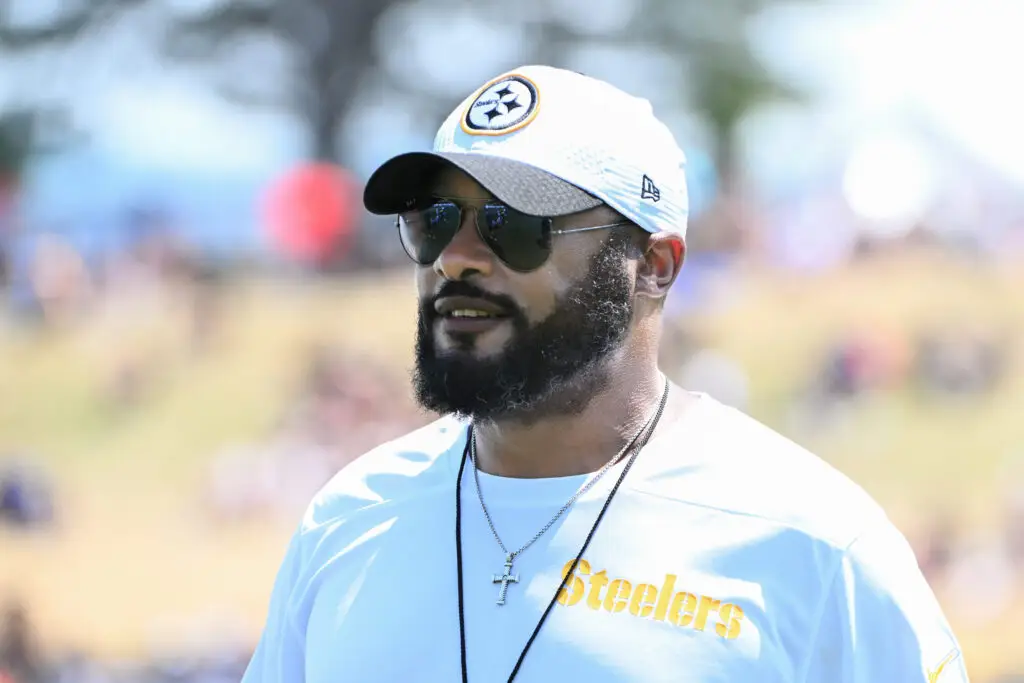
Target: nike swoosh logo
933 676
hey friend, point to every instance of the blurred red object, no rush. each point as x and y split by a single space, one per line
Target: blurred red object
311 212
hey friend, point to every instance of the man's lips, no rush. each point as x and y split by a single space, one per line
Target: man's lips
468 315
468 307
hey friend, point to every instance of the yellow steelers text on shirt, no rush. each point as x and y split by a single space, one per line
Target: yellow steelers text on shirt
649 601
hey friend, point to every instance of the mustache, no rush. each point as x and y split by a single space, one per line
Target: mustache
466 289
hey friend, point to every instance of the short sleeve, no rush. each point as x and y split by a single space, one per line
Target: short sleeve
881 621
280 654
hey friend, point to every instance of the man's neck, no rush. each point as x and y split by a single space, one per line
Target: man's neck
566 445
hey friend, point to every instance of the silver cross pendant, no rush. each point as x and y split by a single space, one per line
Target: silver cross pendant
505 579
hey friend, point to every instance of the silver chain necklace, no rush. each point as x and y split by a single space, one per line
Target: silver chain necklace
635 447
507 577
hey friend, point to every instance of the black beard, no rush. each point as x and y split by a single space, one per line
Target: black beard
553 367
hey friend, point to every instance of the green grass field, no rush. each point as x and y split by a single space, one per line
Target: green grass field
135 561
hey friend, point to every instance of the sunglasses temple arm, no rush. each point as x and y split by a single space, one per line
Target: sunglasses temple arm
589 228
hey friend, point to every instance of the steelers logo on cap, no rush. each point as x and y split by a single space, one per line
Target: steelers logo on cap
502 106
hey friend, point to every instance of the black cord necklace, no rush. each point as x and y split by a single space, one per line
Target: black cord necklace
637 444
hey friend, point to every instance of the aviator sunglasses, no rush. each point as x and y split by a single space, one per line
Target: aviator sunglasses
521 241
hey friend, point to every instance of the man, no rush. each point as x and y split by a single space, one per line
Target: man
573 516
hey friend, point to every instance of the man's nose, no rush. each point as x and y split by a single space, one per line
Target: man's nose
466 254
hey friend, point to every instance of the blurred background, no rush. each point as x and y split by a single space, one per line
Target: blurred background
199 324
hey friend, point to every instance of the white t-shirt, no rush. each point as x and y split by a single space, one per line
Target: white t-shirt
729 554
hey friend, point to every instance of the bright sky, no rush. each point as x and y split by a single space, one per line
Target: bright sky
956 61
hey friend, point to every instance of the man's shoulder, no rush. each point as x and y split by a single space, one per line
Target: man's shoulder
397 471
746 468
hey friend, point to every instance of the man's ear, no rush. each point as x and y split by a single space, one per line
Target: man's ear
662 260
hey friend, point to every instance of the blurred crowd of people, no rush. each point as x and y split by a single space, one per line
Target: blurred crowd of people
978 573
24 659
345 406
51 281
26 494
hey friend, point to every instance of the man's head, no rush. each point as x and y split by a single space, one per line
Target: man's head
547 240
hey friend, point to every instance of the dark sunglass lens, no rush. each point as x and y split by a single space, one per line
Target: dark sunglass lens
425 233
523 242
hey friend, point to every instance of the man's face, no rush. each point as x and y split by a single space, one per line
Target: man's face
544 348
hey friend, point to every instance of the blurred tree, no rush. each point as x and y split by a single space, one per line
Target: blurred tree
59 22
310 56
26 133
724 77
34 128
727 85
15 140
724 80
327 46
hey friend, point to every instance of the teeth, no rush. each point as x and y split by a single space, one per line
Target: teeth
470 313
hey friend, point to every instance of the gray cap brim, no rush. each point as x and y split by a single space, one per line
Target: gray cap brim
407 178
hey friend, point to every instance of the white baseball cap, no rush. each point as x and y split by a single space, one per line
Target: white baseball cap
550 142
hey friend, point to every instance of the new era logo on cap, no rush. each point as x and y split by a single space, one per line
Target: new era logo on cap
648 190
